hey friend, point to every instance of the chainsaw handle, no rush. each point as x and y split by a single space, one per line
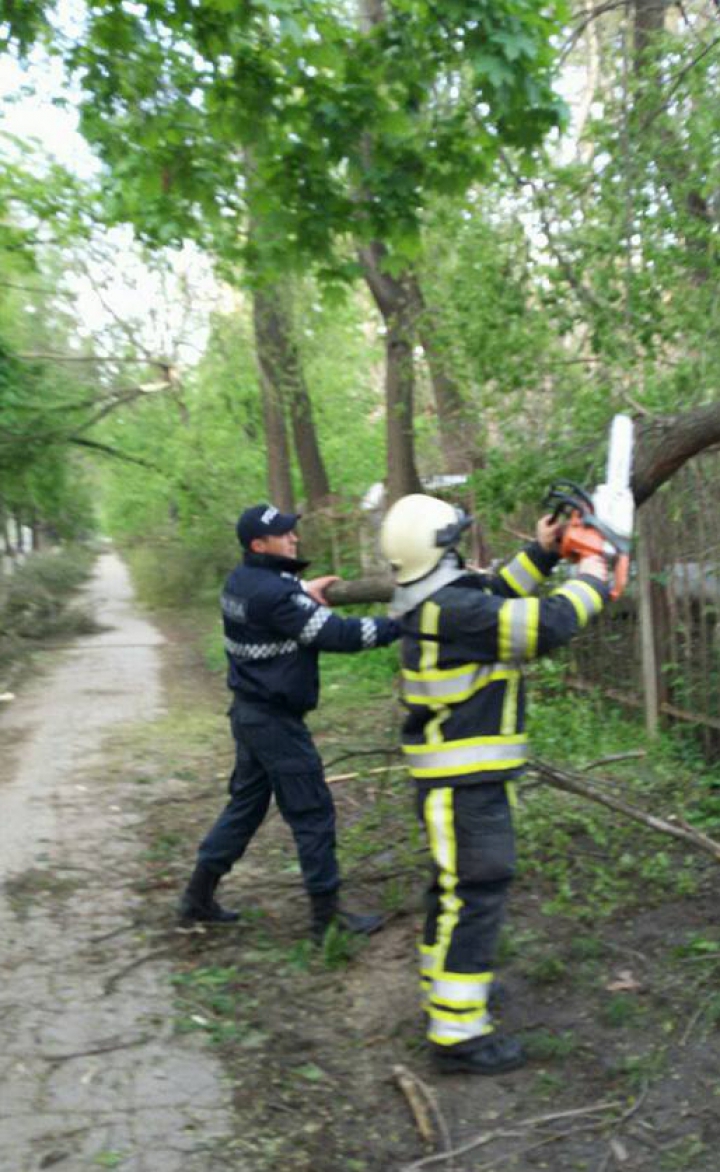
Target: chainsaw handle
569 498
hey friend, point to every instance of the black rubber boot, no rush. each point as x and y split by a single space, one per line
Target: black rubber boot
326 910
198 902
493 1054
497 997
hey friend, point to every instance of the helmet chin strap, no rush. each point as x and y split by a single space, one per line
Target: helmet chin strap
406 598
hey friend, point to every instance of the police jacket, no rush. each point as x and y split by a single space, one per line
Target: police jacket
274 633
465 637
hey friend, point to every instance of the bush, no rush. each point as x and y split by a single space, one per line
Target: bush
34 602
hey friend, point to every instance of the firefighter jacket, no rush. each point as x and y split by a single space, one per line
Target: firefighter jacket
274 633
462 649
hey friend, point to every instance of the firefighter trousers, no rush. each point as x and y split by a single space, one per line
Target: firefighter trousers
470 833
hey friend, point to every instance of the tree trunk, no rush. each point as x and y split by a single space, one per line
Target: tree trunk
281 363
278 454
391 296
648 21
459 431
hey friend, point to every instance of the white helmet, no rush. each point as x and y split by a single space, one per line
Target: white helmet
416 532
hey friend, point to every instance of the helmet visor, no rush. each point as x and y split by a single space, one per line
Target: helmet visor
450 535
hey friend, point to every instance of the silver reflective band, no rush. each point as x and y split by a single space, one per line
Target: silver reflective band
368 632
455 757
259 650
446 1033
457 684
518 628
522 574
470 994
314 624
583 597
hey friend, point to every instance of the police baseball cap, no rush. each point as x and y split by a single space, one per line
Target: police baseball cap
264 521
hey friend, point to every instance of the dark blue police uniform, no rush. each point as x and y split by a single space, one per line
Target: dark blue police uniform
274 632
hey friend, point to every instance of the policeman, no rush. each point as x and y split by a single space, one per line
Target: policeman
465 637
275 627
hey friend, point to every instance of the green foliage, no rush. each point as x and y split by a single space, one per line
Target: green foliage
303 89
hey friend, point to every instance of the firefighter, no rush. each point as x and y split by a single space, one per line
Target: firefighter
275 626
465 636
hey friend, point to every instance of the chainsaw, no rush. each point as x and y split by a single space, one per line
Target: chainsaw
601 523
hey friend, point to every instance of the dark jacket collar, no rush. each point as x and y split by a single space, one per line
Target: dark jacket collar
272 561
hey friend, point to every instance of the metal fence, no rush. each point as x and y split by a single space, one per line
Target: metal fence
658 648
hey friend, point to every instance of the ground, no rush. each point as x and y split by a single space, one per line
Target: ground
130 1043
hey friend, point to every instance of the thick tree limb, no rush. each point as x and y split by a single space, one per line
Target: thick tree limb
376 589
574 783
669 442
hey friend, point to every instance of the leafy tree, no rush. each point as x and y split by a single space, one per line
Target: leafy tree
352 127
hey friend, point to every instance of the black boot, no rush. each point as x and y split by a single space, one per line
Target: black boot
198 901
493 1054
497 997
326 910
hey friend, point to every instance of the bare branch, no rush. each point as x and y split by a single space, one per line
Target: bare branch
574 783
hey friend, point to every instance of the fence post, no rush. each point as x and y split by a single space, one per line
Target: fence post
647 632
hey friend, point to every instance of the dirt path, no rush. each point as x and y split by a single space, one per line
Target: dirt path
91 1074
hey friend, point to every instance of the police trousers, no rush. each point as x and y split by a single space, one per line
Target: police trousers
471 838
275 755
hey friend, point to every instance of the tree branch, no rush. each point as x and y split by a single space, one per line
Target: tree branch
574 783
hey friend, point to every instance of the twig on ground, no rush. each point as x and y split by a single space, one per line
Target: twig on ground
613 1141
112 980
364 773
408 1084
351 753
488 1136
109 1048
115 932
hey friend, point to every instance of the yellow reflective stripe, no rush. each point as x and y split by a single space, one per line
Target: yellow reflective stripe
434 687
584 598
433 728
440 822
510 704
518 626
522 575
429 623
428 953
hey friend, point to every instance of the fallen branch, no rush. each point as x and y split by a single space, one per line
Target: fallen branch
364 773
112 981
108 1048
417 1102
488 1136
574 783
612 757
